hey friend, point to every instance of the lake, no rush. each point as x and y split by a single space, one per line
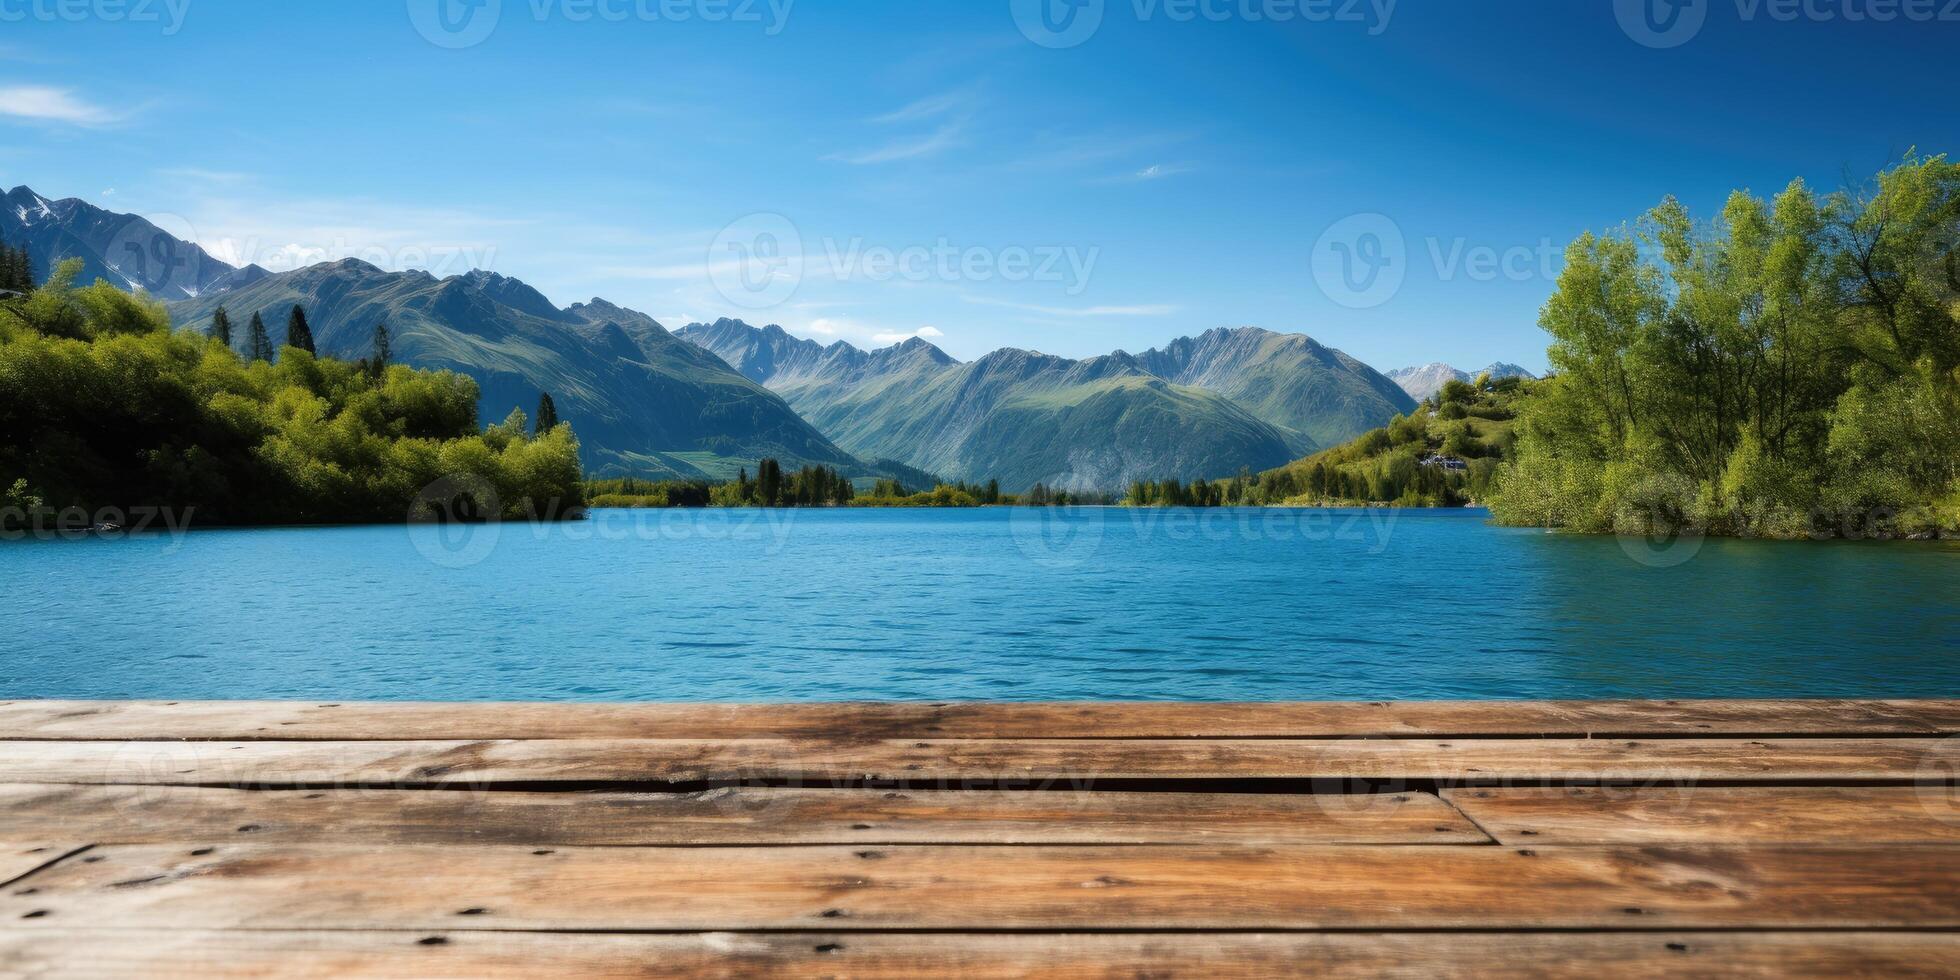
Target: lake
1004 604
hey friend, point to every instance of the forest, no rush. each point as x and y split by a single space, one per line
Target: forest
107 408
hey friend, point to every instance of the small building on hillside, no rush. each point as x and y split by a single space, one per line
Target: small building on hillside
1450 463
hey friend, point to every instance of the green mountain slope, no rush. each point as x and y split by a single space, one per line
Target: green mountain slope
641 401
1287 379
1015 415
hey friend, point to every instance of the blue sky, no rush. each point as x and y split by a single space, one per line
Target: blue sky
1179 169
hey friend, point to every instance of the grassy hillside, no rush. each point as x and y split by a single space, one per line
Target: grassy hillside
1444 454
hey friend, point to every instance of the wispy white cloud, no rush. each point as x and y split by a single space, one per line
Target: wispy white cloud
1078 311
928 107
46 103
944 138
1156 171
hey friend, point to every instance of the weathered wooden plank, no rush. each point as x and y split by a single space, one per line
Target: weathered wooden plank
745 815
86 954
943 761
21 855
1928 814
225 885
347 721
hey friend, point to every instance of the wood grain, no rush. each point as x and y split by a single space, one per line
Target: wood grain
1026 762
1735 815
221 884
84 954
745 815
19 858
349 721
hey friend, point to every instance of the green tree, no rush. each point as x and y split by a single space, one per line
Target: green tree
383 350
547 413
298 334
221 326
257 341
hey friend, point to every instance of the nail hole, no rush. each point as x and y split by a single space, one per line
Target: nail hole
37 913
474 911
835 914
432 941
544 851
828 948
200 852
860 826
248 828
1678 947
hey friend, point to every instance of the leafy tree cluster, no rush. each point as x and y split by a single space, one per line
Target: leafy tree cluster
1792 368
106 406
16 269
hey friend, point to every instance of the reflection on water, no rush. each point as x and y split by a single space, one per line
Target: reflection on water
995 604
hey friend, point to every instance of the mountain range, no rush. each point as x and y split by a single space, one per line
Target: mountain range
1425 381
1204 406
709 398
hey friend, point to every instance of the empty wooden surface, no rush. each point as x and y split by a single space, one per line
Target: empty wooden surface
1551 839
86 954
1070 762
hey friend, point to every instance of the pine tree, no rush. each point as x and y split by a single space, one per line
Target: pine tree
221 326
16 272
259 342
769 482
547 414
298 334
378 364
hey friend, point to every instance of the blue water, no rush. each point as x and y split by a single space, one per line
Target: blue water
994 604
